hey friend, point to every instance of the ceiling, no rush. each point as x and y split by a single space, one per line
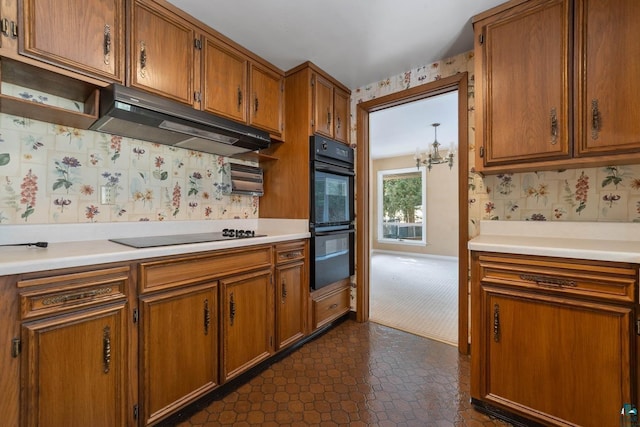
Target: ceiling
356 41
400 130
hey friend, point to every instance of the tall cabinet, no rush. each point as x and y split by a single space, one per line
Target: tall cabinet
312 99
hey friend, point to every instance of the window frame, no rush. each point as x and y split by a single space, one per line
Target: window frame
380 196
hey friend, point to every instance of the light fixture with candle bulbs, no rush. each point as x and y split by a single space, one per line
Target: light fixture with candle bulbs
434 156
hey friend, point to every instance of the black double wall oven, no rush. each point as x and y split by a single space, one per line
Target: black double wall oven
332 211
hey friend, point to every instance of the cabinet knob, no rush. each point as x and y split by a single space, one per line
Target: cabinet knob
232 309
595 119
207 316
554 126
107 44
106 349
143 59
496 323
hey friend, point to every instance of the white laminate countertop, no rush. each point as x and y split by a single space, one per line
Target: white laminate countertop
603 241
75 245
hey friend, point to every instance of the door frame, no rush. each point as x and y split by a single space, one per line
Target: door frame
457 82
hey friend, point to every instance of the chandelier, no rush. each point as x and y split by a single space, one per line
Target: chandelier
434 157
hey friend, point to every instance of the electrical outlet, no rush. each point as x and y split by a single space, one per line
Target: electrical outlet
107 195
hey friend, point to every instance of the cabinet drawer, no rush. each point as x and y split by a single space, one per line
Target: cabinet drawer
290 252
58 294
166 273
330 306
592 279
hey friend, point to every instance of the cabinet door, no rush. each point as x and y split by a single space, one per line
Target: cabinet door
323 106
525 84
342 113
179 348
224 81
82 35
290 314
247 321
267 100
608 86
161 53
74 369
557 358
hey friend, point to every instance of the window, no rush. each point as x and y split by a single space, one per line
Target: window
402 206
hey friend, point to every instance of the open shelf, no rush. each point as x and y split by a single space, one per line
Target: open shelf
28 76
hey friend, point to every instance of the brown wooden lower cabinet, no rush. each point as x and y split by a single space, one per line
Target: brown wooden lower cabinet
330 303
179 348
292 293
130 344
554 340
74 367
247 318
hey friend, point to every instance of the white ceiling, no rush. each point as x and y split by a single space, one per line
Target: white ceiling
356 41
400 130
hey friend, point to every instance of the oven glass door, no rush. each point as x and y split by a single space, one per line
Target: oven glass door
332 257
333 198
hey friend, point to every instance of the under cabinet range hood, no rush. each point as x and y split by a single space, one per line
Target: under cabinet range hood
129 112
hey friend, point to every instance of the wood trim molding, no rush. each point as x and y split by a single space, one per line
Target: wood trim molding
456 82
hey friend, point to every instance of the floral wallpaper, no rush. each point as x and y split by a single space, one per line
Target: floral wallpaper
56 174
586 194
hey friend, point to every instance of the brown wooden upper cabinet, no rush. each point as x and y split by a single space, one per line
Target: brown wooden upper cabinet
236 87
266 107
84 36
224 83
607 108
551 94
161 52
330 109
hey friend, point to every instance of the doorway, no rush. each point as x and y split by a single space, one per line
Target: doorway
414 217
364 208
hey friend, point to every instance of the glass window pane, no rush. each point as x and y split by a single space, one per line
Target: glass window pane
403 206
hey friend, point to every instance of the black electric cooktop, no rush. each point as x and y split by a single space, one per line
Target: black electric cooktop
181 239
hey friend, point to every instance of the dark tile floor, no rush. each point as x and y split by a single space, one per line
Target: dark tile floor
357 374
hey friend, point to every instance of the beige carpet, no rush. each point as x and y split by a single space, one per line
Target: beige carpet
415 294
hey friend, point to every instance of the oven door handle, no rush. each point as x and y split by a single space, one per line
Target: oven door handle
336 170
331 233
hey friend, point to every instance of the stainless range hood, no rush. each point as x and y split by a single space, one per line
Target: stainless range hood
129 112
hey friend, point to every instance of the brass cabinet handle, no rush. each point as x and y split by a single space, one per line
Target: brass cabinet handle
239 99
595 119
61 299
333 306
207 316
295 254
143 59
4 26
328 119
106 349
255 109
284 291
554 126
107 44
496 323
232 309
548 281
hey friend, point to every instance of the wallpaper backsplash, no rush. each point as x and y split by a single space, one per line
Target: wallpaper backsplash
592 194
55 174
